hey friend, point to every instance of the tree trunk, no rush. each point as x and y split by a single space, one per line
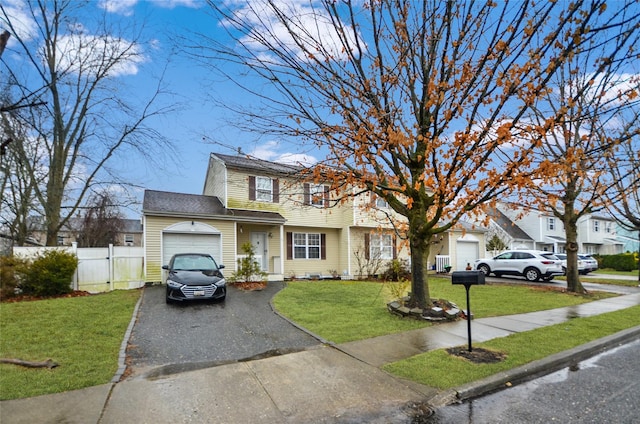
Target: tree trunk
420 296
573 276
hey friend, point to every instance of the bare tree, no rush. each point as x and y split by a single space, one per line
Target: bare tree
102 222
89 123
17 186
418 102
624 168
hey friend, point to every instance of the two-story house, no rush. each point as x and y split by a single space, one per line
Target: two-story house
297 228
596 234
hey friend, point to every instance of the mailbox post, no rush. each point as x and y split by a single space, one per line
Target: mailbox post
468 279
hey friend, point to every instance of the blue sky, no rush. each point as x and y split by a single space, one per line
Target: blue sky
202 124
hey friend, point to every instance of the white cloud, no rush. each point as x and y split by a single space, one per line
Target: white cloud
121 7
307 18
269 151
23 24
126 7
79 52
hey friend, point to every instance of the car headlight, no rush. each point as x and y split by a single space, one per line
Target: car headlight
220 282
173 284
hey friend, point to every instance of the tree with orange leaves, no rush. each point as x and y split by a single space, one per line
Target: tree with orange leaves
419 102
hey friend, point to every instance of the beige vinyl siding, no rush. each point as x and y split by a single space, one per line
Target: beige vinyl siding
304 267
215 180
153 227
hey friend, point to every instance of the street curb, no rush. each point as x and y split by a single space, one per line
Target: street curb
534 369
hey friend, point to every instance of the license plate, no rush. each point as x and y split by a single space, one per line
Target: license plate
198 293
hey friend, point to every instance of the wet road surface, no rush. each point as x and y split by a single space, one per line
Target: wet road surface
603 389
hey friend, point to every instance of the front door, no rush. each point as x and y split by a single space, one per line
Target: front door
261 249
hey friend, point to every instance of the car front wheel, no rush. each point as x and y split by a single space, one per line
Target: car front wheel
531 274
484 268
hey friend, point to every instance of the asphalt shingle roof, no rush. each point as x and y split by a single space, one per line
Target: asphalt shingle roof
248 163
168 203
508 225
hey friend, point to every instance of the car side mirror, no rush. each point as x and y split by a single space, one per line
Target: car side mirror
220 266
165 266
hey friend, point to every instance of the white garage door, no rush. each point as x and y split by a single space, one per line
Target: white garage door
466 252
173 243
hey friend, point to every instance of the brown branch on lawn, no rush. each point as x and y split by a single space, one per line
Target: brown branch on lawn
29 364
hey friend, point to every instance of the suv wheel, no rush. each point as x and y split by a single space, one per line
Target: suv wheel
531 274
484 268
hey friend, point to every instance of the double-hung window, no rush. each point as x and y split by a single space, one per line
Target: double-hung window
264 189
551 224
306 245
381 246
596 226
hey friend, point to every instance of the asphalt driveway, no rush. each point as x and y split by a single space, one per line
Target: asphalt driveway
167 339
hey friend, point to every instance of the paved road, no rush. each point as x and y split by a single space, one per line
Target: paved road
181 337
603 389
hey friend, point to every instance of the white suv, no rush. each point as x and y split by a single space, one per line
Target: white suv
532 264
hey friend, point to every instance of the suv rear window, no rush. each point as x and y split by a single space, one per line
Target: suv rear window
550 256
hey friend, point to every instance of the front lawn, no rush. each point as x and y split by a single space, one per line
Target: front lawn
342 311
82 334
442 370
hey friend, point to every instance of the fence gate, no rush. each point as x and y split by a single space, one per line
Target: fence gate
100 269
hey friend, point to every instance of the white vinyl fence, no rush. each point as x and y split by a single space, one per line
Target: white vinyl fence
100 269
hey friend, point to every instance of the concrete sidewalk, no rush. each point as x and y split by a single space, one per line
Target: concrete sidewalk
327 384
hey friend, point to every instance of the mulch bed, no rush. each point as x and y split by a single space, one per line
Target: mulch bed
250 285
477 355
28 298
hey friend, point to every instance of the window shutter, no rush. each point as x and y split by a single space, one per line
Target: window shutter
326 196
276 190
323 246
289 246
307 194
395 248
252 187
366 246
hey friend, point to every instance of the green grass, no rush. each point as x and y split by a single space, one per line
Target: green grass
82 334
441 370
342 311
598 277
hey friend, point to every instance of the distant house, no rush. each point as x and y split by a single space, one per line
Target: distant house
596 233
130 235
296 228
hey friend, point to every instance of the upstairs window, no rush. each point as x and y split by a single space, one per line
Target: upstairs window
551 224
128 239
264 189
316 195
596 226
379 202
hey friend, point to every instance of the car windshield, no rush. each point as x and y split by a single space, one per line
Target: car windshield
194 262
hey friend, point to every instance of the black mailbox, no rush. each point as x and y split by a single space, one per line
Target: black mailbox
467 278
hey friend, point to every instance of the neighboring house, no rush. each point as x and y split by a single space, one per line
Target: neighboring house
596 234
630 240
508 231
130 235
297 229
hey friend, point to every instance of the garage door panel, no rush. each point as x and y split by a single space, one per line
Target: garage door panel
466 252
173 243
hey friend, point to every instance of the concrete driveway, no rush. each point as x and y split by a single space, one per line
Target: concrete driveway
168 339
